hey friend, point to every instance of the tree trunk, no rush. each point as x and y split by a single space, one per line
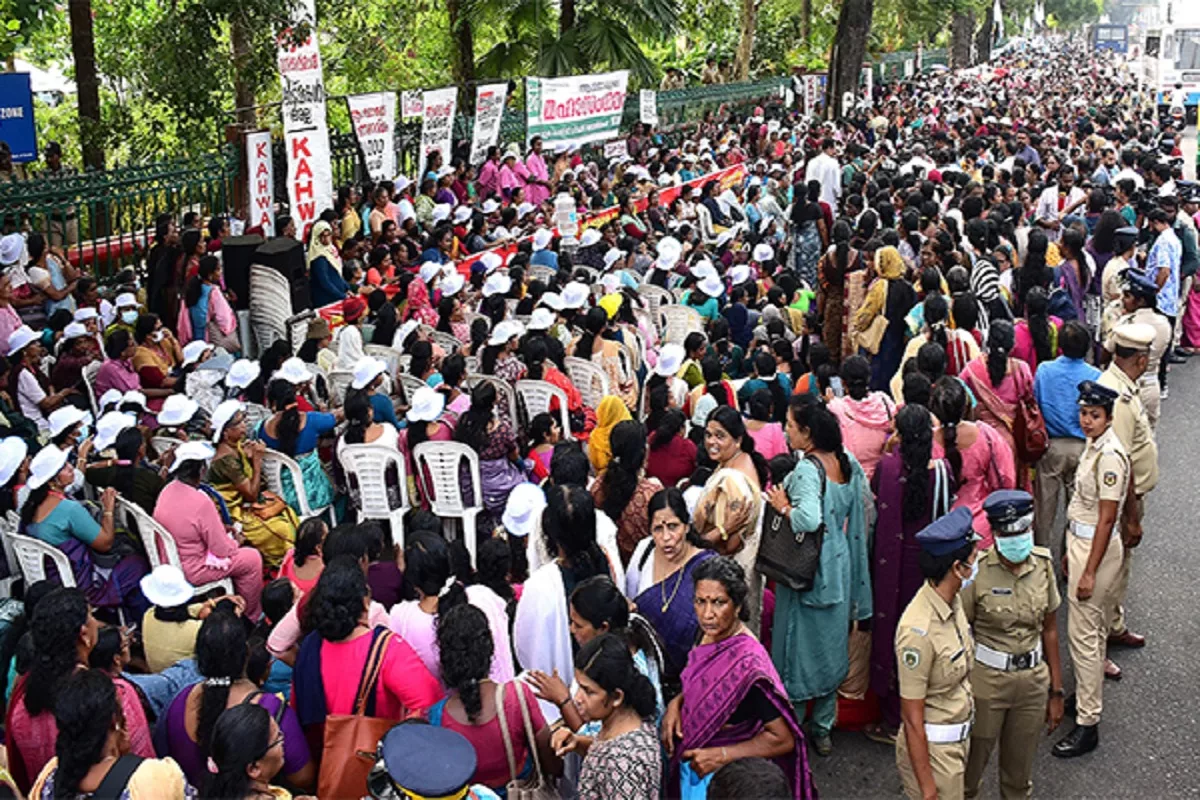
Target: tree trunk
747 22
462 58
849 47
87 82
566 16
962 27
983 40
805 20
243 90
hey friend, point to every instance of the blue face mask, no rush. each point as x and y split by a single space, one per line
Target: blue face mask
1015 549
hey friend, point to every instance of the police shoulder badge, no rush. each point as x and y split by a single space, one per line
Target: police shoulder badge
910 657
1110 479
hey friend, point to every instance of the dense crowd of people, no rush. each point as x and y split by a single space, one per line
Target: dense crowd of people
814 427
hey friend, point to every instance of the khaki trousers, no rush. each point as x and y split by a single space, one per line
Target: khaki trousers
1116 610
1055 476
948 761
1087 623
1010 707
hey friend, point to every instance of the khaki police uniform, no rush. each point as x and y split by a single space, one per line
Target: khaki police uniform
934 652
1011 679
1103 474
1132 426
1148 388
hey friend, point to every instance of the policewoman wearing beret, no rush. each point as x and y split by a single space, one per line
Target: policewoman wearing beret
1094 556
935 652
1017 679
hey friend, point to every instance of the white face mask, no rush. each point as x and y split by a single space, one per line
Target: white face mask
967 581
158 335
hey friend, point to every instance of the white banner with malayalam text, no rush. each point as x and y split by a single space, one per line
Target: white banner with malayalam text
573 111
648 106
413 103
305 134
437 129
374 119
261 182
489 108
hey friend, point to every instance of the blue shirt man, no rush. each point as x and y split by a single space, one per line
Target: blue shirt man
1054 387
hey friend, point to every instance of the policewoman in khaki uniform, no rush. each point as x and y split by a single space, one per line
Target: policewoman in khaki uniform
935 652
1094 556
1017 679
1139 302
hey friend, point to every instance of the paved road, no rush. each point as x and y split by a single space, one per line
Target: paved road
1152 717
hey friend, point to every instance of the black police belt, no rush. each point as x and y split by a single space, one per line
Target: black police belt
1007 662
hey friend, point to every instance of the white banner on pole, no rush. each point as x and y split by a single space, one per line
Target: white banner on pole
617 149
908 67
305 135
648 102
261 182
489 109
812 93
437 131
374 119
412 104
573 111
868 77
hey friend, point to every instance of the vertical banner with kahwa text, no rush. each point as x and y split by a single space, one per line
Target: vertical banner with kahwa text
437 129
374 119
306 139
489 108
261 182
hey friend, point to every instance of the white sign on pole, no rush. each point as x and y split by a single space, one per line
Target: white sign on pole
617 149
261 182
412 105
437 131
576 110
489 108
908 67
305 135
812 93
648 100
789 97
868 77
374 119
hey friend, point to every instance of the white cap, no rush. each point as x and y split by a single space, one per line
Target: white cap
504 331
222 415
441 212
166 586
12 452
669 245
110 398
525 209
242 373
426 405
703 269
491 261
611 282
711 286
762 252
542 238
109 426
589 237
429 271
125 299
367 369
552 300
451 285
541 320
403 332
574 294
21 338
11 248
74 330
612 256
177 410
86 313
192 451
66 417
402 182
670 359
135 397
497 283
45 465
193 350
294 371
444 171
490 206
740 273
462 214
523 510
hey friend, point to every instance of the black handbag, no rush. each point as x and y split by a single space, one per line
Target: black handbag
790 557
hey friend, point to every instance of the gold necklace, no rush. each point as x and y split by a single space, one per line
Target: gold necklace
666 601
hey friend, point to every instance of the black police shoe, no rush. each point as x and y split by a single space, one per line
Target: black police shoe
1084 739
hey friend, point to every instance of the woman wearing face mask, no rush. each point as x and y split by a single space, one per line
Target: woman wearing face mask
156 358
1017 678
935 651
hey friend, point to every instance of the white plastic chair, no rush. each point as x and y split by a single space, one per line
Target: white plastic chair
506 398
31 555
387 355
447 341
339 382
472 363
160 545
536 395
273 465
655 297
8 524
590 380
368 465
676 322
89 383
410 383
443 462
540 273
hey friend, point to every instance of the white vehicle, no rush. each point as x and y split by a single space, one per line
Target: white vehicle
1172 56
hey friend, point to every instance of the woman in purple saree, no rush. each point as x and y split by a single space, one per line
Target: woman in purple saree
733 704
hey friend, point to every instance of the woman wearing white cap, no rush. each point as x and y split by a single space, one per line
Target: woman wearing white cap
705 295
14 469
267 522
105 567
207 551
27 384
418 305
76 349
499 357
426 423
127 469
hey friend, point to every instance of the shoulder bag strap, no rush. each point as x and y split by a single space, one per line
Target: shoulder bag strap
530 738
504 731
364 703
254 696
118 776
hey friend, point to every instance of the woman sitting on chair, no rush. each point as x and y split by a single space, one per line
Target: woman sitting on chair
295 433
267 521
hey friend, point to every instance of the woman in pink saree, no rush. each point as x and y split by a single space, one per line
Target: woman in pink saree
1000 383
419 306
733 704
